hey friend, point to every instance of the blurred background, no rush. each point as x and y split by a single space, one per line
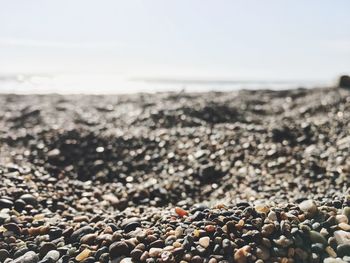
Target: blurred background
131 46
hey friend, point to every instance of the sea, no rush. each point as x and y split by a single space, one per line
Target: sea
116 84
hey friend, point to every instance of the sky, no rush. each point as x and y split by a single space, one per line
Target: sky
194 39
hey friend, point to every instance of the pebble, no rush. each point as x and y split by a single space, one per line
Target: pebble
342 237
4 254
131 224
181 212
343 250
204 241
309 207
29 199
52 255
118 249
316 237
29 257
83 255
79 233
155 252
5 203
346 212
241 254
344 226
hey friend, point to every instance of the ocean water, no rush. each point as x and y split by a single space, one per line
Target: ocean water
115 84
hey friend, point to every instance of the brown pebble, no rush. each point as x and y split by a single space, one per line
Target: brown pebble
88 239
181 212
241 254
83 255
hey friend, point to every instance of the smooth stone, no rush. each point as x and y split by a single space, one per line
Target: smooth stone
346 212
341 219
118 249
29 199
330 251
272 216
83 255
283 241
29 257
4 254
333 260
4 217
131 224
19 205
104 258
88 239
343 250
5 203
179 232
204 242
263 253
13 228
316 237
241 254
126 260
342 237
344 226
21 251
155 252
53 255
309 207
79 233
167 256
136 254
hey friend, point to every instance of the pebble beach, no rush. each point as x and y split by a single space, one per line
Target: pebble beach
216 177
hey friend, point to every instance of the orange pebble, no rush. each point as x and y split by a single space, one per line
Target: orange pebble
181 212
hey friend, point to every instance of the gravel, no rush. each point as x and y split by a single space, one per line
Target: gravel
249 176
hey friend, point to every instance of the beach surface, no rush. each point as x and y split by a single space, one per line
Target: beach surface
244 176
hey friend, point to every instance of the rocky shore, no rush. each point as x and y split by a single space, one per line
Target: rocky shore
248 176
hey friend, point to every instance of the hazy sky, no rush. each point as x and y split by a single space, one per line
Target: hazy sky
181 38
